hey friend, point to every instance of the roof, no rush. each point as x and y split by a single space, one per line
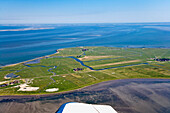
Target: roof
85 108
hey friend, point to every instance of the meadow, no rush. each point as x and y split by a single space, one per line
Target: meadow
98 64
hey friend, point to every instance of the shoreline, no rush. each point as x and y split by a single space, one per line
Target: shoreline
66 91
9 65
74 90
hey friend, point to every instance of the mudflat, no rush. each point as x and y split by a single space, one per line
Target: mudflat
130 95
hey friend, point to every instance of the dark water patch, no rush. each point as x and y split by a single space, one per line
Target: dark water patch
39 66
50 70
11 75
33 62
82 63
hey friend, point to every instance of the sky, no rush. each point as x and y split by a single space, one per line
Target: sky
83 11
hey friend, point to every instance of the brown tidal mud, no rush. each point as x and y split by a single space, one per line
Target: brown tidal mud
125 96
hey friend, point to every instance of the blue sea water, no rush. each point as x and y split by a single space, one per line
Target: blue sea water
21 45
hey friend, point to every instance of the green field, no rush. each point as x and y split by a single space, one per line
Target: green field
99 64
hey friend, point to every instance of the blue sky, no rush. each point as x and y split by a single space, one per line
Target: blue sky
84 11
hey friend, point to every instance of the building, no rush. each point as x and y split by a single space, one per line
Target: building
78 56
10 83
14 82
85 49
162 59
78 69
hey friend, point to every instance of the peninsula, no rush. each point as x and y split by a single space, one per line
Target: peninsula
74 68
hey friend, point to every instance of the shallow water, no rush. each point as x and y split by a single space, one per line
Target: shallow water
18 46
125 96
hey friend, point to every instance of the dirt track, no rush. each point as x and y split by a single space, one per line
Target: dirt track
124 62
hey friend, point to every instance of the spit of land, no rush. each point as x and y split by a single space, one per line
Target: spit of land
74 68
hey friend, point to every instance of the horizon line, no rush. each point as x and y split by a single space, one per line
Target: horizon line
89 23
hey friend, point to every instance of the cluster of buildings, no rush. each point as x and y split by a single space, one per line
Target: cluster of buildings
78 69
85 49
162 59
10 83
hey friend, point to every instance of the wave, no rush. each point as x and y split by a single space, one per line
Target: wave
27 29
158 27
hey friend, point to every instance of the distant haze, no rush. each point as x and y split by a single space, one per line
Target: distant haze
83 11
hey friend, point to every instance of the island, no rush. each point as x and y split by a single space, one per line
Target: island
74 68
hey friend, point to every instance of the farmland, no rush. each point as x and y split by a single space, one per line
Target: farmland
93 65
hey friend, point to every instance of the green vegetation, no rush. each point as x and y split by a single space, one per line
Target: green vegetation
56 71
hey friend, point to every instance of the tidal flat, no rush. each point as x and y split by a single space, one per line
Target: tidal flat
130 95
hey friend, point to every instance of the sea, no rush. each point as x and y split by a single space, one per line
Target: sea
21 42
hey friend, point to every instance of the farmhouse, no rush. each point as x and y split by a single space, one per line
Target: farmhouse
14 82
162 59
10 83
78 69
78 56
85 49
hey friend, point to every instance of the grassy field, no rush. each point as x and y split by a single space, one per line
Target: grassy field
98 64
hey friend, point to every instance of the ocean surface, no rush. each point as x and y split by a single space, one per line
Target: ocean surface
23 42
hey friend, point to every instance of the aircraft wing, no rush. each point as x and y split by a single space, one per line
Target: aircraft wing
74 107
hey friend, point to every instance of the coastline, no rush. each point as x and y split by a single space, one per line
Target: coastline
115 94
72 89
9 65
83 88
